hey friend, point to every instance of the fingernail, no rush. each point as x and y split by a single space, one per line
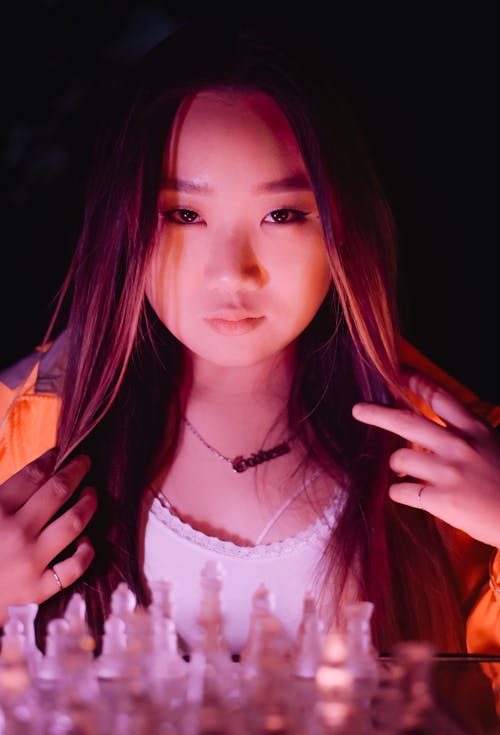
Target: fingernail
83 459
88 493
84 544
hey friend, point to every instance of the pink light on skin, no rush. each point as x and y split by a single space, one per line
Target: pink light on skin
240 250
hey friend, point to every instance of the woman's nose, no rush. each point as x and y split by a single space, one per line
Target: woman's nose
232 263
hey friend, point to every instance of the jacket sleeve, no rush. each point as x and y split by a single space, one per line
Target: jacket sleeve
483 625
28 418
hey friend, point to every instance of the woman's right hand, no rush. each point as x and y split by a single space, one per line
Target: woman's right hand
29 536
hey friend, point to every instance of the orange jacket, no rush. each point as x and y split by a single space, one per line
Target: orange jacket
29 411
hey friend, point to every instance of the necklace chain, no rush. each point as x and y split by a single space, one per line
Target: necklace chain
203 441
240 463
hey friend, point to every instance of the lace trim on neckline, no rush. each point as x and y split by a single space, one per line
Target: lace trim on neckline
315 533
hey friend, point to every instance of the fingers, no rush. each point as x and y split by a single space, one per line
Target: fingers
443 403
62 531
37 525
68 571
56 577
56 490
458 425
31 582
426 497
453 468
415 494
406 424
20 487
419 464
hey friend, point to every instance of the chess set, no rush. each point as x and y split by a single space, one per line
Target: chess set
140 683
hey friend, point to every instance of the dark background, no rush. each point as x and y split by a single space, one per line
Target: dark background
424 89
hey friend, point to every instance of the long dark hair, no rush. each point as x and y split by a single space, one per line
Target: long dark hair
121 393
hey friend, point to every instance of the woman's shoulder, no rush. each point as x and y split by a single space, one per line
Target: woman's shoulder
30 403
40 371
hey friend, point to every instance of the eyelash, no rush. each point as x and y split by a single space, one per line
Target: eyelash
175 215
297 215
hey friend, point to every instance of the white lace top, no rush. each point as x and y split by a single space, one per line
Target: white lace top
176 552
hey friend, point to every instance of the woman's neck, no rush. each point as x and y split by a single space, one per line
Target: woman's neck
240 408
216 387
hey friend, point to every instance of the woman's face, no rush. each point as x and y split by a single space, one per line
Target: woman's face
240 267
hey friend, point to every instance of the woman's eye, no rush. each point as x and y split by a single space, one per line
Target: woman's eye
285 216
181 216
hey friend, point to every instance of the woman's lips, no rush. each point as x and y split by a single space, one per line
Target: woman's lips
234 326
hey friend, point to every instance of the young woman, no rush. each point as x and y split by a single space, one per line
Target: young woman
231 384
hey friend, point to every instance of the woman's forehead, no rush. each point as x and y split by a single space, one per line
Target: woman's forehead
229 104
232 123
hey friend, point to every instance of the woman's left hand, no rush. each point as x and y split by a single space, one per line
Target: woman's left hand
457 476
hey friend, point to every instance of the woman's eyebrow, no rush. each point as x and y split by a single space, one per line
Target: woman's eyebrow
294 182
187 185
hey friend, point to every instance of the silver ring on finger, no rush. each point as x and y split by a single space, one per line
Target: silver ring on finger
57 578
419 496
